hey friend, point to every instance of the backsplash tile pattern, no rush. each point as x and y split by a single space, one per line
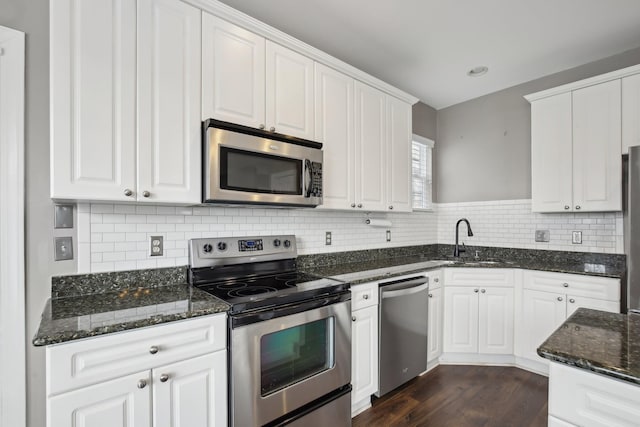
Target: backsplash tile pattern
114 237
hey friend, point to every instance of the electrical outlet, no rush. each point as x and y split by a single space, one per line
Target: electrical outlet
63 248
542 235
327 238
63 217
576 237
157 245
388 235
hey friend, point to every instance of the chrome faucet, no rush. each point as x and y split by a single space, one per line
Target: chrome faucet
457 250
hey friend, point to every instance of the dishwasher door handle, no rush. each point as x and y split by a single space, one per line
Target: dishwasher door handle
415 287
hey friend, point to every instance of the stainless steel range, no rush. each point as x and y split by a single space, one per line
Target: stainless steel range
289 332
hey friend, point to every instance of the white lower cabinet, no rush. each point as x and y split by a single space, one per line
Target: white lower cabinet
183 383
364 345
434 334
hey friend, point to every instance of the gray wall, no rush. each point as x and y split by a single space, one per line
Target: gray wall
483 146
424 120
32 18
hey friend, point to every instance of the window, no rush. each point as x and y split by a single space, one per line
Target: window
421 172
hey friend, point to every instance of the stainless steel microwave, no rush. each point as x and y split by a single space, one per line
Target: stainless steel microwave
250 166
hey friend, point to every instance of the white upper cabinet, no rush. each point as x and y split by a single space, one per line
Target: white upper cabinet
399 155
334 127
125 101
233 73
169 129
630 112
551 154
93 99
597 164
289 96
371 148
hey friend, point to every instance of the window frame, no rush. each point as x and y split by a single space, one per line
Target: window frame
430 144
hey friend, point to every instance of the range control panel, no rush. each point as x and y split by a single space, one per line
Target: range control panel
211 252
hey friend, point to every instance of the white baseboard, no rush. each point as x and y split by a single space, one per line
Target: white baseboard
477 359
360 407
537 367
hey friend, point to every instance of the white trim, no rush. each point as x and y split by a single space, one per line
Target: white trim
422 140
236 17
613 75
12 296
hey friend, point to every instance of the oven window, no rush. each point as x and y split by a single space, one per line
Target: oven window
293 354
259 173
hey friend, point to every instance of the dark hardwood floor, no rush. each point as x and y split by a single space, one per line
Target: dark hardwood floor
461 396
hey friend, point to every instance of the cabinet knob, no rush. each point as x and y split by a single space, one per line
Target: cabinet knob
475 290
261 126
436 280
483 291
128 192
391 207
559 298
153 349
566 207
577 207
146 194
353 205
272 129
572 301
164 378
353 318
365 296
142 383
566 285
359 205
430 295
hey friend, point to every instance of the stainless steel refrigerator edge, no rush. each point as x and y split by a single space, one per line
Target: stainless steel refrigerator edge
631 212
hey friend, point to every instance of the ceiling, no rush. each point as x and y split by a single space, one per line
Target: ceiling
426 47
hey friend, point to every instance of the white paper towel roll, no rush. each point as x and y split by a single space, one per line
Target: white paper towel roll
378 222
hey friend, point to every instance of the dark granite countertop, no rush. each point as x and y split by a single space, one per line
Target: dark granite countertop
598 341
80 316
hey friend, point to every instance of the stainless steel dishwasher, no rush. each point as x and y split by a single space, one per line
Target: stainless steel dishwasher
403 321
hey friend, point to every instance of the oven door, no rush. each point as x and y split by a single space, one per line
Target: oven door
246 168
281 364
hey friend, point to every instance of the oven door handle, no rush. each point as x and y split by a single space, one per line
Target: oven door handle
307 176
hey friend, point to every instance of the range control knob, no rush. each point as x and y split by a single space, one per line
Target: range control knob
287 243
276 243
207 248
222 246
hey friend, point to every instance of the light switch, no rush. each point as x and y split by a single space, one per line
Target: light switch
63 217
542 235
576 237
63 248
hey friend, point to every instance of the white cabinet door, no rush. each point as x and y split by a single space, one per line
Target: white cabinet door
597 148
398 155
551 154
364 356
116 403
495 320
192 392
233 74
543 312
93 99
575 302
371 148
334 127
169 125
460 320
289 92
630 112
434 336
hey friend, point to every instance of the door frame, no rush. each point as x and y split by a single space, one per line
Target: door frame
12 232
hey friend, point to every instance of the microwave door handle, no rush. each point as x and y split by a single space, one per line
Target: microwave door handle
307 178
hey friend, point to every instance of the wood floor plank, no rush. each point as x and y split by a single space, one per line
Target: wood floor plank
463 396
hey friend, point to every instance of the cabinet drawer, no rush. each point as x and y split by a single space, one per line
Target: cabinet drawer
364 295
479 277
89 361
604 288
587 399
435 279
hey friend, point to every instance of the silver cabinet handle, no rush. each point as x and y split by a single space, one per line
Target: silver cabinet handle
359 205
353 318
142 383
365 296
430 295
153 349
391 207
483 291
475 290
128 192
353 205
164 378
146 194
572 301
272 129
261 126
577 207
566 285
566 207
559 298
436 280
